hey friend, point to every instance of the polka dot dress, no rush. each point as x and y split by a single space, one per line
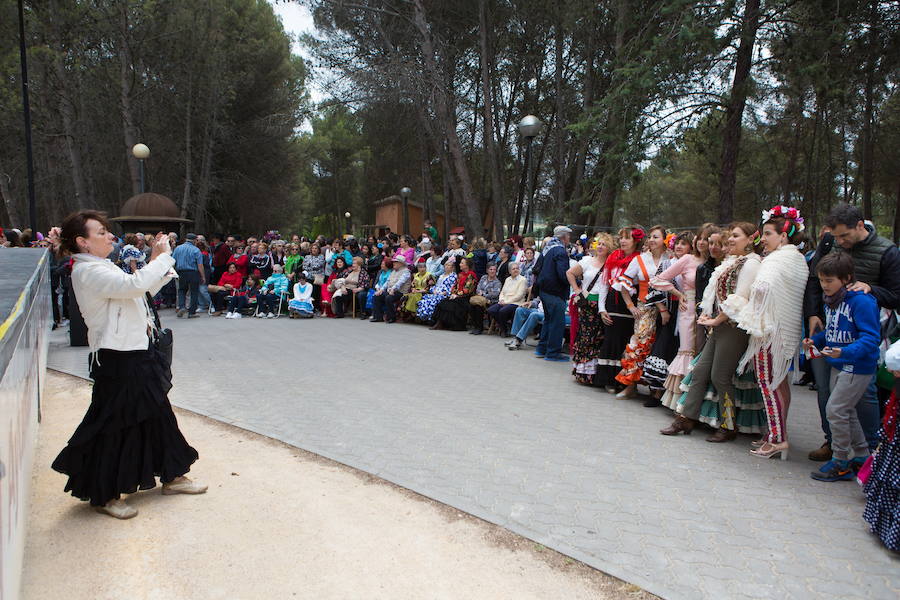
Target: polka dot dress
882 489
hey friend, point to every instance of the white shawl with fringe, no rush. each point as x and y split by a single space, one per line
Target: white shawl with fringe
773 315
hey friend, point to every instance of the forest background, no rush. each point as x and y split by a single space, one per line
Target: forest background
654 111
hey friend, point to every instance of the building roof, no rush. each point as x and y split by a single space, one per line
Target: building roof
150 207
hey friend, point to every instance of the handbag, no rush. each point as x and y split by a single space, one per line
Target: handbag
581 302
162 338
318 279
478 301
369 300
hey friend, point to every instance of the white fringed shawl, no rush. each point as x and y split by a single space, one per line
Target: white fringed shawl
774 314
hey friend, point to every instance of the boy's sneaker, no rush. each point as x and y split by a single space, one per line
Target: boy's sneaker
834 470
229 315
270 316
515 345
260 315
237 315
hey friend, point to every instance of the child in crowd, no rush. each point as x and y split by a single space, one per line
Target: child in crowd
850 345
301 306
243 298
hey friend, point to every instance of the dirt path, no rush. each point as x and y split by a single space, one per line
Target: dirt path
277 522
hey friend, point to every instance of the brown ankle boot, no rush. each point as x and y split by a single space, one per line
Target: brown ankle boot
722 435
681 424
822 454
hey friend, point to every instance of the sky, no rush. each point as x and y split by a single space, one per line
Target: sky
297 20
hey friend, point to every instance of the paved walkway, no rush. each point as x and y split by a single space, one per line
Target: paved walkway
515 441
299 510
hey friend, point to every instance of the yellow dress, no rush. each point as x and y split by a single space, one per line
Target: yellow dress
421 281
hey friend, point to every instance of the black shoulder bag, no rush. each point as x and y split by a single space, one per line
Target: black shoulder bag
581 301
162 338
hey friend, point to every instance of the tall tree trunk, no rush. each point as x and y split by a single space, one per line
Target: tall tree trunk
867 135
427 182
613 155
559 149
576 164
449 184
69 119
731 136
207 183
473 223
188 166
897 215
12 210
487 69
126 82
797 126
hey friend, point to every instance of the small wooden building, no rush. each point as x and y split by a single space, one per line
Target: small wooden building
389 214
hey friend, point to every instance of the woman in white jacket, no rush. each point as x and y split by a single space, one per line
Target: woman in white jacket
129 435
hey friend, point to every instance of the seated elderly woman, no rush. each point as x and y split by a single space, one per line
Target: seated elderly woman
387 297
442 289
453 312
273 291
513 295
334 283
421 282
526 265
486 294
301 306
229 281
354 287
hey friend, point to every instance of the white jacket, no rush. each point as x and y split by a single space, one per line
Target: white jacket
112 301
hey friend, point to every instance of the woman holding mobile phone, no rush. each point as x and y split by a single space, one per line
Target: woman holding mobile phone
129 436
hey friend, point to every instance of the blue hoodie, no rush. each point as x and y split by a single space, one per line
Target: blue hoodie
853 327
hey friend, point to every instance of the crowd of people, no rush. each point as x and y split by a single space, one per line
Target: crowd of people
707 324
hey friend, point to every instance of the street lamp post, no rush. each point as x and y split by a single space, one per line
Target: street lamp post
404 193
26 114
529 127
349 223
141 152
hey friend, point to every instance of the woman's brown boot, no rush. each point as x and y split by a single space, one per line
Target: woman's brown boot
681 424
722 435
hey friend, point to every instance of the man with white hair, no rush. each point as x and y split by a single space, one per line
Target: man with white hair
554 291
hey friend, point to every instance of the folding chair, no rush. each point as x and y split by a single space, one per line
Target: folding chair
282 297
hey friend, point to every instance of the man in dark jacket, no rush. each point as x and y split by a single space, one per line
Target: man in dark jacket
876 263
554 293
221 252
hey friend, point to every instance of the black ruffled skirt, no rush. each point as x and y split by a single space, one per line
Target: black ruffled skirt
129 435
453 314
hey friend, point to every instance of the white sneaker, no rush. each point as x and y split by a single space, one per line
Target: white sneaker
183 485
118 509
260 315
270 316
237 316
229 315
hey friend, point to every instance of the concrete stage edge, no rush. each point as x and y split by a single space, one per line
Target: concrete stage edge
24 329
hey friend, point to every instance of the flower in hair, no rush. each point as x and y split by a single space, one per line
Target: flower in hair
637 234
789 213
670 241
